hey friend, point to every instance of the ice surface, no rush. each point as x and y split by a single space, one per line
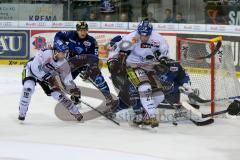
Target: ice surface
43 136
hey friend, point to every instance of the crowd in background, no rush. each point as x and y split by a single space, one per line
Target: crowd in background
157 11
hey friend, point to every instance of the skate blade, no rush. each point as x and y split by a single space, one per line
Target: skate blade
145 127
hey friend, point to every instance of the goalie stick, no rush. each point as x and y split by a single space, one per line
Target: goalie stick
205 115
201 100
198 113
194 111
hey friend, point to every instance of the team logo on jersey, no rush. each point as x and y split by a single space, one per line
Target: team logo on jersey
78 49
174 69
87 44
163 78
145 45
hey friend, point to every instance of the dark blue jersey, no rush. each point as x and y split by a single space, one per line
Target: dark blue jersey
176 75
78 46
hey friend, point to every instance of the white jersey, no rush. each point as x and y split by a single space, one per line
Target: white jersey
43 65
139 50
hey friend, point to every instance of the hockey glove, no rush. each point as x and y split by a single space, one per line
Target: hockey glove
75 92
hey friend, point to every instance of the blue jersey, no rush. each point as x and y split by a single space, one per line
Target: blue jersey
77 46
176 75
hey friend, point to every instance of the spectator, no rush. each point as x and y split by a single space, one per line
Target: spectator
179 18
123 17
107 18
168 15
217 13
150 18
93 16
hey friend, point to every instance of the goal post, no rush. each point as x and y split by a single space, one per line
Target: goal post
215 75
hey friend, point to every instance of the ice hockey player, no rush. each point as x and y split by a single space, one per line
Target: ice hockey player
44 67
143 44
173 73
169 72
83 57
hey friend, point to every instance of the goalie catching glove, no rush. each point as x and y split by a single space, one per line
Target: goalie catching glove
234 108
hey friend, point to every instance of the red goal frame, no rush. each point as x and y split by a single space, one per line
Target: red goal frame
212 68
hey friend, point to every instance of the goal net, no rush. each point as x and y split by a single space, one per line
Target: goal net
215 76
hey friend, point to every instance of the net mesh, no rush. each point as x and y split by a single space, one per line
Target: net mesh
223 83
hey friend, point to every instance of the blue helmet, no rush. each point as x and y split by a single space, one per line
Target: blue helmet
116 39
145 28
59 46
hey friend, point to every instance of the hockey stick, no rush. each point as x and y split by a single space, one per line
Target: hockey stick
206 115
198 99
91 81
193 110
201 100
64 90
95 109
198 113
100 112
216 49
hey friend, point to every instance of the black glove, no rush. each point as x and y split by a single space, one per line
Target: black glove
157 54
75 92
163 66
234 108
114 66
164 61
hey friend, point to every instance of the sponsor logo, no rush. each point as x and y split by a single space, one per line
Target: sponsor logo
78 49
174 69
145 45
87 44
40 42
42 18
13 62
14 44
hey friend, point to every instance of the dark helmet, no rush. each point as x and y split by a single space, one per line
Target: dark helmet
81 25
145 28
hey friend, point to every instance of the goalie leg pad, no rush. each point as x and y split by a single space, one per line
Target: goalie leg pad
27 91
